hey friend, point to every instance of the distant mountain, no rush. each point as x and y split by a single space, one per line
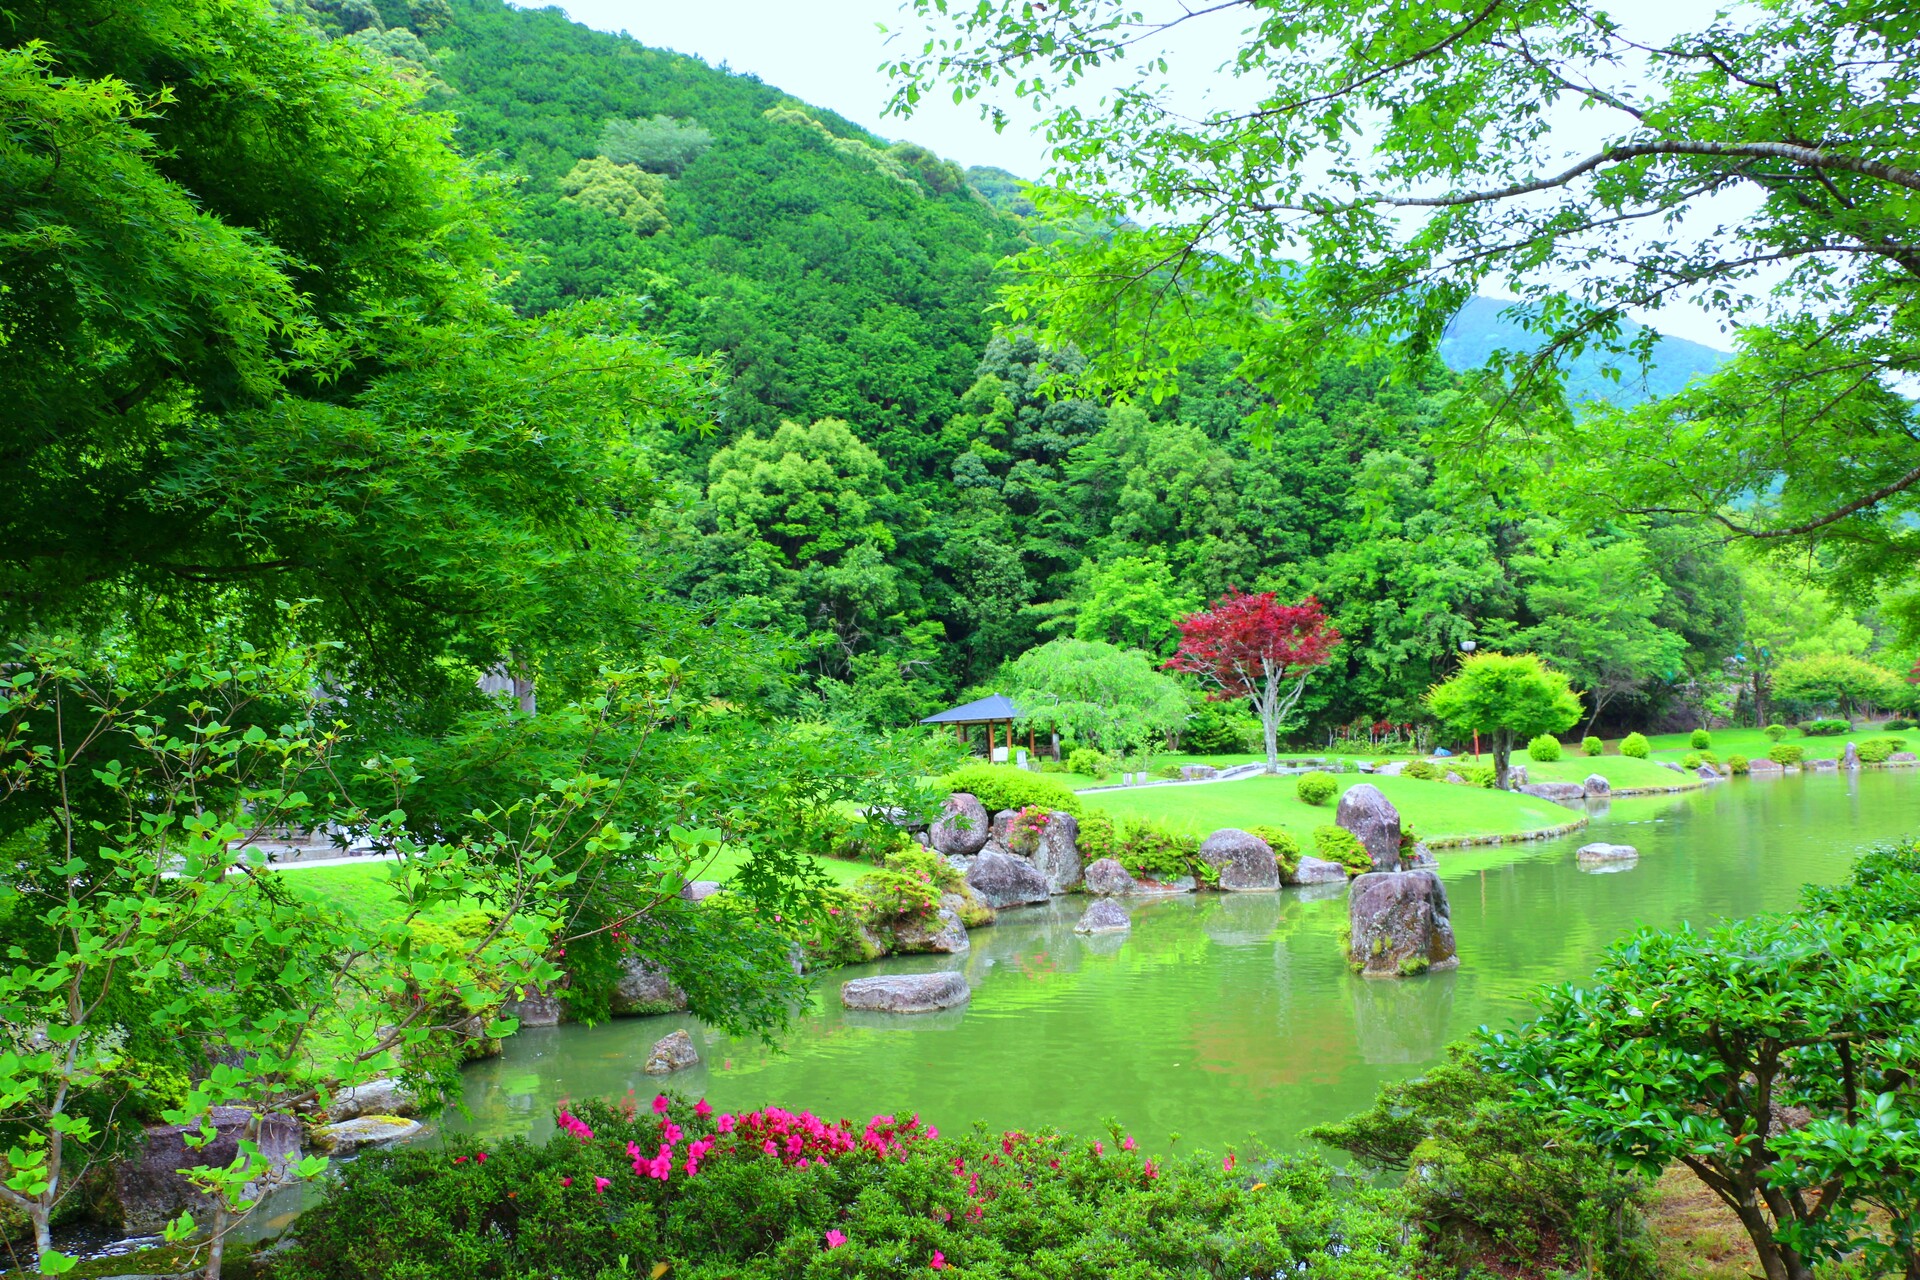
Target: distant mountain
1481 329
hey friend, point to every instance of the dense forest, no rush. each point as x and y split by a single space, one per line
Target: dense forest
914 499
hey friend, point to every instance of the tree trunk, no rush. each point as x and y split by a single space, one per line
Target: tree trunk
1502 753
41 1215
1269 707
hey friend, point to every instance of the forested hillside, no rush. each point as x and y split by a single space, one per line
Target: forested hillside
900 492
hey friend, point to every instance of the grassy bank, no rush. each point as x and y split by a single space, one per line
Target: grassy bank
1438 811
1754 744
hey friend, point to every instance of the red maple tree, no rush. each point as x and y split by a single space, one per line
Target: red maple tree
1253 647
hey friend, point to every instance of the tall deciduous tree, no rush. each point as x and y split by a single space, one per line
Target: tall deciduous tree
1507 695
1253 647
1376 166
1837 682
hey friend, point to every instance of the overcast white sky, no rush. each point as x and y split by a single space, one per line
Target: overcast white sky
827 52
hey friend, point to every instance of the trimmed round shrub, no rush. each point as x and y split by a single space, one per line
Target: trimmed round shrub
1635 745
1592 746
1786 753
1543 748
1286 849
1085 760
1337 844
1699 739
1690 761
1879 750
1316 787
1737 765
1425 770
1775 732
997 787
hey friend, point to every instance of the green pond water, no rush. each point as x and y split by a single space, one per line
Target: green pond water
1223 1017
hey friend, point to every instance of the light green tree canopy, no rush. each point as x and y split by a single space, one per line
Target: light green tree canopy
1095 692
658 144
1839 683
622 191
1375 166
1132 601
1510 696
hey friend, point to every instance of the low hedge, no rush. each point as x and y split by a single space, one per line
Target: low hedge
998 787
1592 746
1700 740
679 1191
1775 732
1879 750
1738 766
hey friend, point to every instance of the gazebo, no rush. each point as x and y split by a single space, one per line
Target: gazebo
990 711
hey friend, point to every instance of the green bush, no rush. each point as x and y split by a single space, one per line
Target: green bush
1337 844
1699 739
1786 753
1775 732
1592 746
1879 750
1825 728
1316 787
1738 766
1088 762
1899 722
1690 761
1544 748
1635 745
989 1205
1286 849
1500 1190
999 787
1142 846
1167 771
1425 770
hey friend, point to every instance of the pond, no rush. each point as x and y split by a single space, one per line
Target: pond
1222 1017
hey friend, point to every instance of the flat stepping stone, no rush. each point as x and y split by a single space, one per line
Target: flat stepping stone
1600 851
906 992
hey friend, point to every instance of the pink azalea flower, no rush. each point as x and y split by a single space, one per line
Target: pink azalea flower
601 1184
1099 1148
482 1157
939 1262
1126 1143
1228 1163
835 1239
724 1124
703 1108
1151 1171
659 1104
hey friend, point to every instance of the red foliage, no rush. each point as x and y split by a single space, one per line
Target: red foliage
1246 639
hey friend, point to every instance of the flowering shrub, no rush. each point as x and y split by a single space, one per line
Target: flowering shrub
1028 826
1142 846
690 1194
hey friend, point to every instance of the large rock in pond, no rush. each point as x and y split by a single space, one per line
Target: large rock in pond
1851 758
1104 916
1597 785
672 1053
942 933
382 1097
644 988
1314 870
1558 792
345 1137
1107 876
1708 773
906 992
1765 768
1369 815
1057 856
700 890
149 1187
1600 851
1903 757
962 829
536 1008
1006 881
1400 924
1245 861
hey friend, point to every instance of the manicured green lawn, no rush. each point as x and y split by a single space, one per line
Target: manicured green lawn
1624 772
1753 744
1437 810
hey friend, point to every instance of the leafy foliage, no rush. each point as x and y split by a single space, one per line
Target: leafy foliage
1636 746
1337 844
1253 647
1096 693
1316 786
1508 695
1544 747
998 787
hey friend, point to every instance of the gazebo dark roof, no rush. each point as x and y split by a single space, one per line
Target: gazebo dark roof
991 708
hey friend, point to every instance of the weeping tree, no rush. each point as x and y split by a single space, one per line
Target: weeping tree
1095 692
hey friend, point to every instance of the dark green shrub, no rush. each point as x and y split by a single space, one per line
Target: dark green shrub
992 1206
1738 766
1500 1191
1635 745
1286 849
1899 722
1315 787
1425 770
1825 728
1700 740
999 787
1592 746
1168 771
1878 750
1786 753
1337 844
1775 732
1140 845
1544 748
